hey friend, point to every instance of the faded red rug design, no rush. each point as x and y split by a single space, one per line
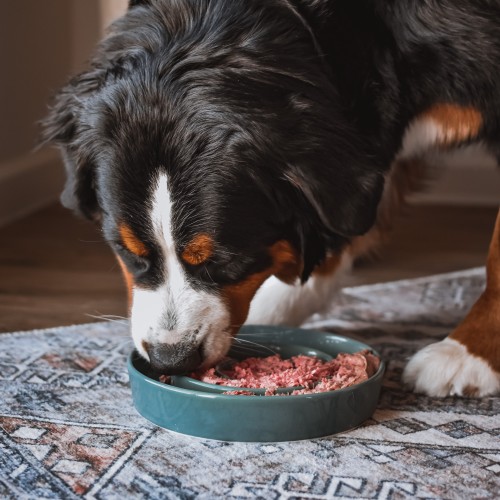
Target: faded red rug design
68 428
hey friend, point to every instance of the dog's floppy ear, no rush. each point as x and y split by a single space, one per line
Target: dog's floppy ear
312 247
63 127
332 210
79 192
345 197
327 159
337 187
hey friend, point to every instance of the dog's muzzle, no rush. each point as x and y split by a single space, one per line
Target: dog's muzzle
172 359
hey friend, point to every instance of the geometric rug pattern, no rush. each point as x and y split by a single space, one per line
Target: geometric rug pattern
68 428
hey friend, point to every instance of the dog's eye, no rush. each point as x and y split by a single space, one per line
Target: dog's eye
229 271
140 264
136 264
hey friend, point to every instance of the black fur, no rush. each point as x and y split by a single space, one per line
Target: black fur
274 119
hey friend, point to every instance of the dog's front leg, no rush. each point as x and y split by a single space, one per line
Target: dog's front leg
467 362
277 303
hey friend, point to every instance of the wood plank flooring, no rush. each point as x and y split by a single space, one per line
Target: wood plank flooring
56 270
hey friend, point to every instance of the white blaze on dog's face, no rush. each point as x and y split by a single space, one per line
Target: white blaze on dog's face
175 312
191 278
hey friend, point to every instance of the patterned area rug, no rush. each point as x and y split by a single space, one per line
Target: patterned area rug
68 428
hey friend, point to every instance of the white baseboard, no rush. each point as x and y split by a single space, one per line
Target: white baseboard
28 183
464 177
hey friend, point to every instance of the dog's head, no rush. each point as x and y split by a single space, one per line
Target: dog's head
208 141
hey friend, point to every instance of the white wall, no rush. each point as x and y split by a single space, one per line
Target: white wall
35 57
42 42
90 18
463 177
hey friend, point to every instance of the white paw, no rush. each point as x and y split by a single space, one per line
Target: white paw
447 369
277 303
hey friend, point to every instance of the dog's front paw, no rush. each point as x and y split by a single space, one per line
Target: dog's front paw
277 303
447 369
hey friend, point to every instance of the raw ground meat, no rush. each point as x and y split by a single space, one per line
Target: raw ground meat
308 373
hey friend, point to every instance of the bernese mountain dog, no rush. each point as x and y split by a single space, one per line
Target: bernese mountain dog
239 154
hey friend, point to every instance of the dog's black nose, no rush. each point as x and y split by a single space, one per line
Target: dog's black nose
174 358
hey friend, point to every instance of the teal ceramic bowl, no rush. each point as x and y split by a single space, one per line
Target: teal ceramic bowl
190 407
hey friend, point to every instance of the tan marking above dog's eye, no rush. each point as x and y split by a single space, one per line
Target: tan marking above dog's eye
198 250
131 242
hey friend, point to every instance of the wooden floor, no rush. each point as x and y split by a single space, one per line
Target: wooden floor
56 270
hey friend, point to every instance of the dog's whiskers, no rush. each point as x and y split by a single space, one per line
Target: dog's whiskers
250 352
258 346
121 320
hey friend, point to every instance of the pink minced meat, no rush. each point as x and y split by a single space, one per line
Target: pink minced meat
311 374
